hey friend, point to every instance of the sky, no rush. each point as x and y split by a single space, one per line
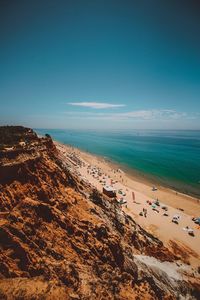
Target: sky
100 64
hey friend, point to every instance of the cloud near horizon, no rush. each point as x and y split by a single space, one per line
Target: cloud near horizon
96 105
154 114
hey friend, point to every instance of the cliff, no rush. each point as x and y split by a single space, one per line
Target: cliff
61 239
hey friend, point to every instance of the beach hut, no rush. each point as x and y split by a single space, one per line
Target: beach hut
109 191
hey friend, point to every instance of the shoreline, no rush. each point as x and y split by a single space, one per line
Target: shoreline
143 183
166 171
147 178
180 187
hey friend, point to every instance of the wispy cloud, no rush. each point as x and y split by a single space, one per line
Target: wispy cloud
96 105
151 114
154 114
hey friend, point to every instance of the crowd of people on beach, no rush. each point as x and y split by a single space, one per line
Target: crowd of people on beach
155 205
101 179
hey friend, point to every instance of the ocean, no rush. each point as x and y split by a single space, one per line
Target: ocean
171 158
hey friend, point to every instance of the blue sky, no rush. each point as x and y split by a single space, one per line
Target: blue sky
100 64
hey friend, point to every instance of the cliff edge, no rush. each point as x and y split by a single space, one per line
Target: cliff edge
61 239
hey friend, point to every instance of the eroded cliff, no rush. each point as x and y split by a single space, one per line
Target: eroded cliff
61 239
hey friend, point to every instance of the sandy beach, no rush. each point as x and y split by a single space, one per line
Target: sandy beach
156 219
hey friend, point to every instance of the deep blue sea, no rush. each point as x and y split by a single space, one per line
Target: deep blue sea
170 157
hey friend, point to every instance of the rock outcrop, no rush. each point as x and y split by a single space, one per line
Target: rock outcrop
60 239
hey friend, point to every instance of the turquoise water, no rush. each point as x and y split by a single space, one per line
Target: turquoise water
172 157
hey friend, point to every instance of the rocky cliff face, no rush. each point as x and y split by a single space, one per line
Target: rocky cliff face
60 239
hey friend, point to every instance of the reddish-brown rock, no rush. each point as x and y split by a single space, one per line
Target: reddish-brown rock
58 243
